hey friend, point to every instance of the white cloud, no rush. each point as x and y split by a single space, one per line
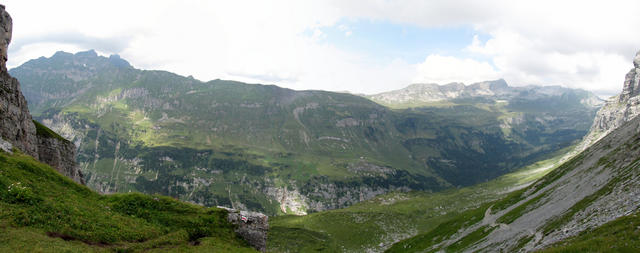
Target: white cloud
586 44
522 61
446 69
346 30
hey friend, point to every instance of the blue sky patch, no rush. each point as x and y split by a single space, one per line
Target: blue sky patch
386 41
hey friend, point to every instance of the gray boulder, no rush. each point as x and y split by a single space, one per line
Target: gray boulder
251 226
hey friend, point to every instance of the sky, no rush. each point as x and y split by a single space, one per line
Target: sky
360 46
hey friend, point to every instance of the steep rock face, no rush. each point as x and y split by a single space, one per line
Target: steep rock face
6 25
60 154
618 109
16 125
631 82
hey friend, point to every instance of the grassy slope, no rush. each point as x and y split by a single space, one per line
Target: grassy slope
42 130
619 156
377 223
620 235
43 211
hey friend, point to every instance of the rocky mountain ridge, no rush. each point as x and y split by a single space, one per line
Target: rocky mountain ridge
17 126
276 150
429 93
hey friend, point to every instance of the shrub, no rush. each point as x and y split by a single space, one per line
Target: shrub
20 194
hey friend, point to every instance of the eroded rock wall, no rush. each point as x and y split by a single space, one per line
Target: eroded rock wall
617 110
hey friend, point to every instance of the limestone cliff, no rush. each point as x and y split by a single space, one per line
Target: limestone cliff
619 109
16 125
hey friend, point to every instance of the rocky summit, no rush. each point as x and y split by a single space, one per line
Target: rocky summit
618 109
18 128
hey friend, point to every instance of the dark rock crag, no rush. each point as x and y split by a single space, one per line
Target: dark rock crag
16 124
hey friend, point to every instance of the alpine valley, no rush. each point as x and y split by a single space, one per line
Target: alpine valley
98 156
276 150
585 199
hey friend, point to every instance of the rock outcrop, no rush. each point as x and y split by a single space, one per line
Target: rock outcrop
6 146
6 25
631 86
618 109
251 226
16 124
59 154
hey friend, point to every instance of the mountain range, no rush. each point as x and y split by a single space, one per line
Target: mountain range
454 168
276 150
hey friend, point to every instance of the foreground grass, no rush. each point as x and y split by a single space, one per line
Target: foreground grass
43 211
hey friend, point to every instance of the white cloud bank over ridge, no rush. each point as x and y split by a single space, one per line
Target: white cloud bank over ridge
585 44
446 69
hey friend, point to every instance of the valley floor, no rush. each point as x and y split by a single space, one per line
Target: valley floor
374 225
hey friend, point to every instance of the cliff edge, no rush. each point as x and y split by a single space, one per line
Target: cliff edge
16 124
619 109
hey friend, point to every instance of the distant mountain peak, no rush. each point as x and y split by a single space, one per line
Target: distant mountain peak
89 53
119 62
59 54
84 59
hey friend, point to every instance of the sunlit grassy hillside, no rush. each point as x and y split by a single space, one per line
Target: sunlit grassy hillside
43 211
